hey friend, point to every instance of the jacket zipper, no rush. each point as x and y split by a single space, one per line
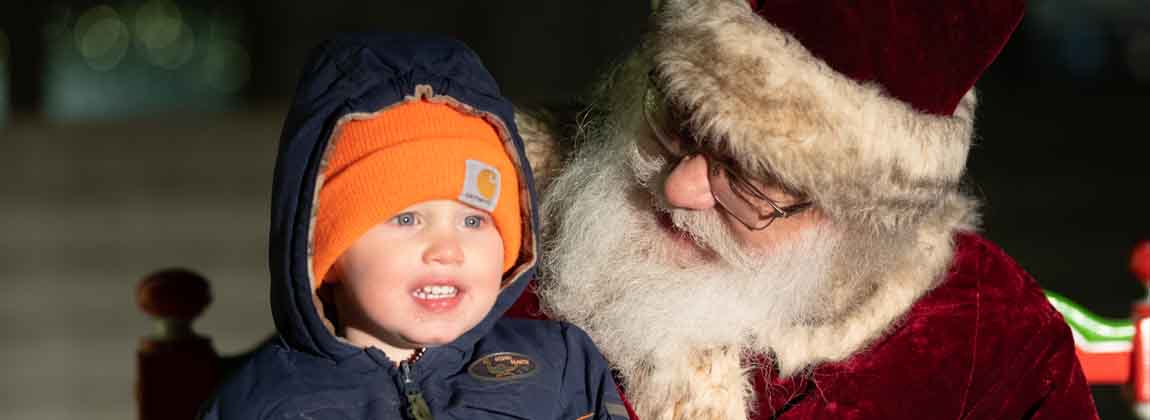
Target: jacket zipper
417 408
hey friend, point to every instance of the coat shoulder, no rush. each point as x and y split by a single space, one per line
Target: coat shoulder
985 341
254 391
998 284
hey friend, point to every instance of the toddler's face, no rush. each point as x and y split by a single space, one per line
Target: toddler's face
424 277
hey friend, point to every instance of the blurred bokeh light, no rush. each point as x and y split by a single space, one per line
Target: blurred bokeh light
167 40
140 58
101 37
1091 42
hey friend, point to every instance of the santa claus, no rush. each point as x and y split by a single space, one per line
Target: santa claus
761 217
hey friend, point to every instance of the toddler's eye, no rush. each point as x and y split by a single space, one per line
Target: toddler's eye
474 221
404 219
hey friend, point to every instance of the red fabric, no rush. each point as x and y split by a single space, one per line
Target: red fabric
984 344
926 53
527 307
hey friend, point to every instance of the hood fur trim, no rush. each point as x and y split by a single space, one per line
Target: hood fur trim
753 90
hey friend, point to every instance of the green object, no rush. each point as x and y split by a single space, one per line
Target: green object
1093 333
417 408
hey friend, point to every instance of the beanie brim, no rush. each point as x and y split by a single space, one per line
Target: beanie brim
373 186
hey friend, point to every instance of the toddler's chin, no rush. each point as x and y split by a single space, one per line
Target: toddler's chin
433 338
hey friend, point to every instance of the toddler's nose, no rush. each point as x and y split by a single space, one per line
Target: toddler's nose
444 249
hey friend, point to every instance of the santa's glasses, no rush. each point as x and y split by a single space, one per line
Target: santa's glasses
741 197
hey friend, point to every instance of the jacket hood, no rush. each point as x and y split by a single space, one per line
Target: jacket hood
357 75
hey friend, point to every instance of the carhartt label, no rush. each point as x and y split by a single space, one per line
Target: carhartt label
481 186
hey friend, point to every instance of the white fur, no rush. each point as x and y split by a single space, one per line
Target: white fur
754 89
541 146
676 324
659 312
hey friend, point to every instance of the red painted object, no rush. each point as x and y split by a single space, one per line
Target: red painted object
1140 367
1140 262
1111 368
176 369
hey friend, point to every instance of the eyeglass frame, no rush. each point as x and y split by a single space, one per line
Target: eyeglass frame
715 169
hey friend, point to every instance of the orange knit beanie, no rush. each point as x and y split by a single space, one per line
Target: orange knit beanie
414 152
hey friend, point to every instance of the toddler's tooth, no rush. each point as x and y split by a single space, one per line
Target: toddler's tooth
436 292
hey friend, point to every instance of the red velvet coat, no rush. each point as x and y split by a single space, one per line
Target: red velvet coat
984 344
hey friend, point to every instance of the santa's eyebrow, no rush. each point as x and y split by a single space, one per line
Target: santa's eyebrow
739 170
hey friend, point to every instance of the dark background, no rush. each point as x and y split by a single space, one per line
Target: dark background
140 134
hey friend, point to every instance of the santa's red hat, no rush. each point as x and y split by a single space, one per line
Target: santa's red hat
867 106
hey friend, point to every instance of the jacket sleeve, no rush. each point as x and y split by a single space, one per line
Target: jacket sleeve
1069 396
1025 365
1040 380
588 388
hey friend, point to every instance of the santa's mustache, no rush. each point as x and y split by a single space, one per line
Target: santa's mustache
709 229
605 245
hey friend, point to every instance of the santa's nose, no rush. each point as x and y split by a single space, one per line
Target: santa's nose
687 186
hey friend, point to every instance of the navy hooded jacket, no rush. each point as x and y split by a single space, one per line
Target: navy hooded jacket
500 369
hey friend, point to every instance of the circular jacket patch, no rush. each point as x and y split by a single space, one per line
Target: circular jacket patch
503 366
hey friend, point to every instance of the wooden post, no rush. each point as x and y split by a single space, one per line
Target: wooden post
177 369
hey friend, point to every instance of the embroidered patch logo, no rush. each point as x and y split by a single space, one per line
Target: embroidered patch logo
503 366
480 186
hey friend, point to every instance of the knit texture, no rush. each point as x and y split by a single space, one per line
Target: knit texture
411 153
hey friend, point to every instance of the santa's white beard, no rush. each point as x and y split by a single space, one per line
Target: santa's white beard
656 308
